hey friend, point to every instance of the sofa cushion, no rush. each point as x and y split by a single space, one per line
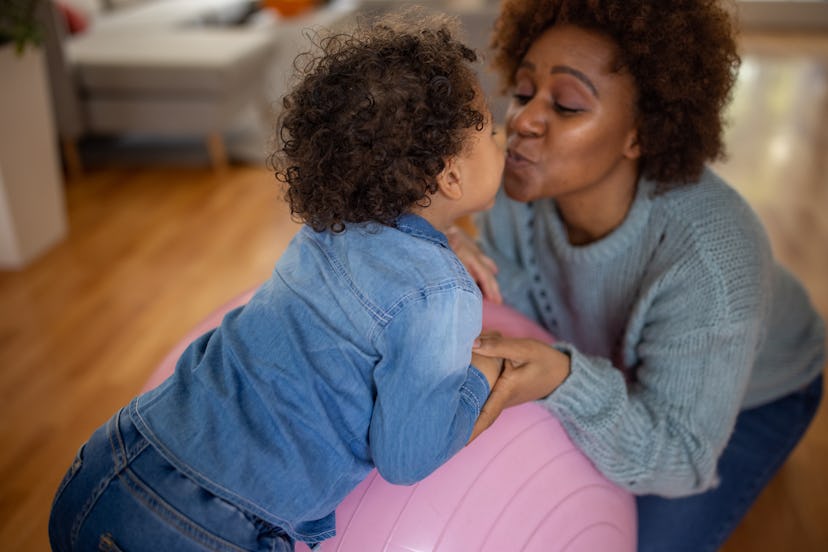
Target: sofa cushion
192 61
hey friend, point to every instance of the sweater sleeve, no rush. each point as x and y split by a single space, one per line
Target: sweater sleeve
428 396
694 333
662 435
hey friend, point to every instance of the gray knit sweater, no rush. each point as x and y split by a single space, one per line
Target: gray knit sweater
674 322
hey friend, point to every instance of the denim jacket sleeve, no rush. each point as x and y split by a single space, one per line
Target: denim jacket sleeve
428 395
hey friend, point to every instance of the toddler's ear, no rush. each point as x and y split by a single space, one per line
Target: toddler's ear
449 181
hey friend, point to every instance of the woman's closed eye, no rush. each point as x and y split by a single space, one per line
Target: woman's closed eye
565 109
562 108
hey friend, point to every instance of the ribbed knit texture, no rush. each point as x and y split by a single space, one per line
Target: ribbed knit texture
674 322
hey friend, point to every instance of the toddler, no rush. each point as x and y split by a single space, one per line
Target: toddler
355 354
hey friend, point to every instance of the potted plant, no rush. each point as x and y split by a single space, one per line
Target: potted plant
18 23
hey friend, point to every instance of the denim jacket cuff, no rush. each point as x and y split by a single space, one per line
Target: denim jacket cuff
475 388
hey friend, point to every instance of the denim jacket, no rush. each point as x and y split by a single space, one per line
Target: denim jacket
355 354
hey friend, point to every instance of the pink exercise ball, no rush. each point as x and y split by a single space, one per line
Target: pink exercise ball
522 485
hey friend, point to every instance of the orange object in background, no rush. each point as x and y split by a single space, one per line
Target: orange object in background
290 8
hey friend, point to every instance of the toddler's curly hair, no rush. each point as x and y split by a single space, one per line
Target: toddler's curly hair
375 113
681 53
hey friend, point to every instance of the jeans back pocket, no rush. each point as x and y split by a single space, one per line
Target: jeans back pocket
73 470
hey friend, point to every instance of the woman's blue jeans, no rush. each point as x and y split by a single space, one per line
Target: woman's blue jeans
120 494
763 438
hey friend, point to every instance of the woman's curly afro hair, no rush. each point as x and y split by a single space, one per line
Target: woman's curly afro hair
374 115
681 54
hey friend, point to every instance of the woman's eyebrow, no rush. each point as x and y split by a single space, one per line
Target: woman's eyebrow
563 69
577 74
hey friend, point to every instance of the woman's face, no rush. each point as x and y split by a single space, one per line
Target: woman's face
571 123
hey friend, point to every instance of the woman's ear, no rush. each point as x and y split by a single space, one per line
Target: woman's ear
632 149
450 181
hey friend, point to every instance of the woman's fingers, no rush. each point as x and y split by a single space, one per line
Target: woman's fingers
531 369
490 367
516 350
488 262
488 285
482 268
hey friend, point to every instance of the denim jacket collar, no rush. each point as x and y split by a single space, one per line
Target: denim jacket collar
416 225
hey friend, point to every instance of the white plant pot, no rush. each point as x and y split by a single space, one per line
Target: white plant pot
32 206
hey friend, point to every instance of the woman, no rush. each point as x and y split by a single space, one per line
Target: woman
689 362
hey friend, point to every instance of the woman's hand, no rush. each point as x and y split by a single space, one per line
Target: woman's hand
489 366
531 370
482 268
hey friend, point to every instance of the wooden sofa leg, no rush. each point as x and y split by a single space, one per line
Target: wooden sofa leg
218 152
71 156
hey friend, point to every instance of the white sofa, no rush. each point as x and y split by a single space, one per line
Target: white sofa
170 67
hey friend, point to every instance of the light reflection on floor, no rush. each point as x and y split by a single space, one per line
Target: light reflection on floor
778 118
777 141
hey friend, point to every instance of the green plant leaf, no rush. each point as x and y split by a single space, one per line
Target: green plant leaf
19 23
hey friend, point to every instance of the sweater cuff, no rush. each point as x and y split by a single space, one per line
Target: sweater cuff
592 394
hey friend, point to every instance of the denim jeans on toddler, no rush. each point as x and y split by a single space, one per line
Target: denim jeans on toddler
762 439
121 494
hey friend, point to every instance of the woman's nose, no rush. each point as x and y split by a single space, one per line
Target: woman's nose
527 119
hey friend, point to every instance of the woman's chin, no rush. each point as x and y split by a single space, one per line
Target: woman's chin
517 189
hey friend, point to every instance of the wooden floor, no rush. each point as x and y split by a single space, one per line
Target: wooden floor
153 250
778 141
